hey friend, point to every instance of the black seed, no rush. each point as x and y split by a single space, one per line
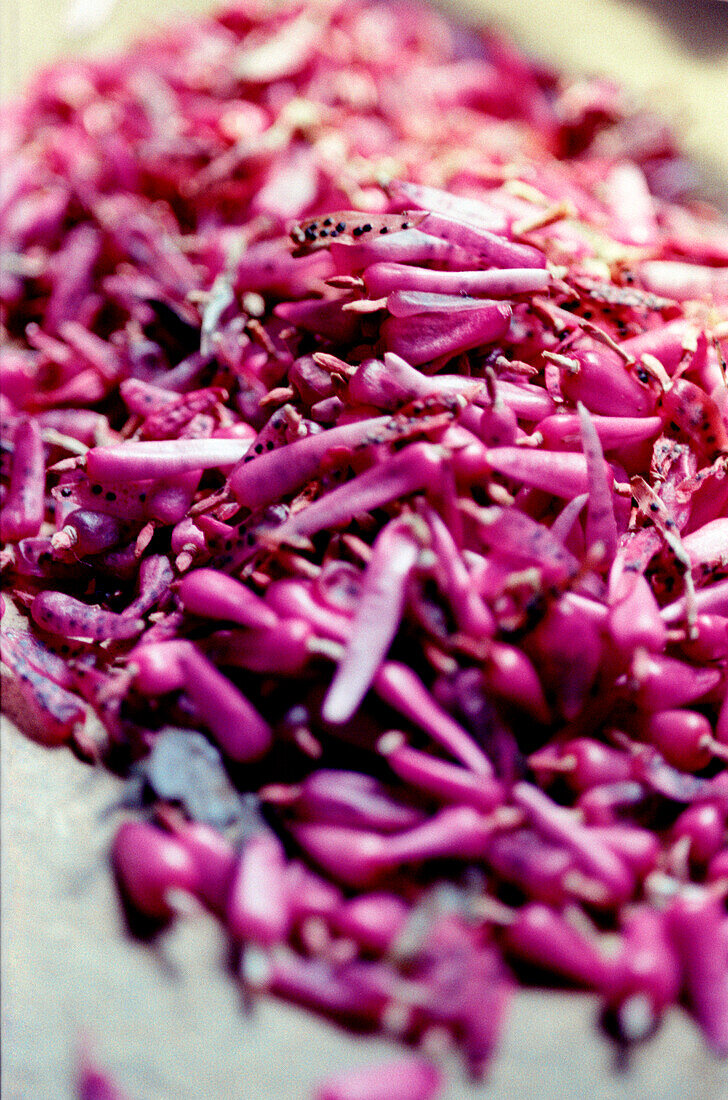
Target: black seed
328 221
96 490
269 445
340 227
366 228
357 231
384 229
258 448
324 233
110 495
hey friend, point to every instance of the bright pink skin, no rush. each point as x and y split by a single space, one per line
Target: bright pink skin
159 667
528 543
284 649
407 1079
646 967
603 384
680 735
239 730
376 621
584 763
470 611
353 799
663 683
150 864
634 618
540 936
358 858
594 856
615 432
258 907
385 278
24 506
492 249
213 595
397 685
277 473
704 827
639 848
683 281
694 919
601 523
718 868
559 472
309 895
439 778
567 649
215 860
86 532
373 921
61 614
94 1083
510 675
431 335
137 460
711 643
631 206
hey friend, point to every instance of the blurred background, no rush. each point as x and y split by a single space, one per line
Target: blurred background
674 53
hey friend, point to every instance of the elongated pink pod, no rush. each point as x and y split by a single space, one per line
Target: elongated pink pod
489 247
559 472
386 278
158 667
376 621
136 460
417 467
563 429
560 825
439 778
634 619
258 903
603 384
645 974
428 336
339 797
664 683
374 921
24 506
236 725
283 649
544 938
215 859
402 689
681 736
150 864
213 595
275 474
695 918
